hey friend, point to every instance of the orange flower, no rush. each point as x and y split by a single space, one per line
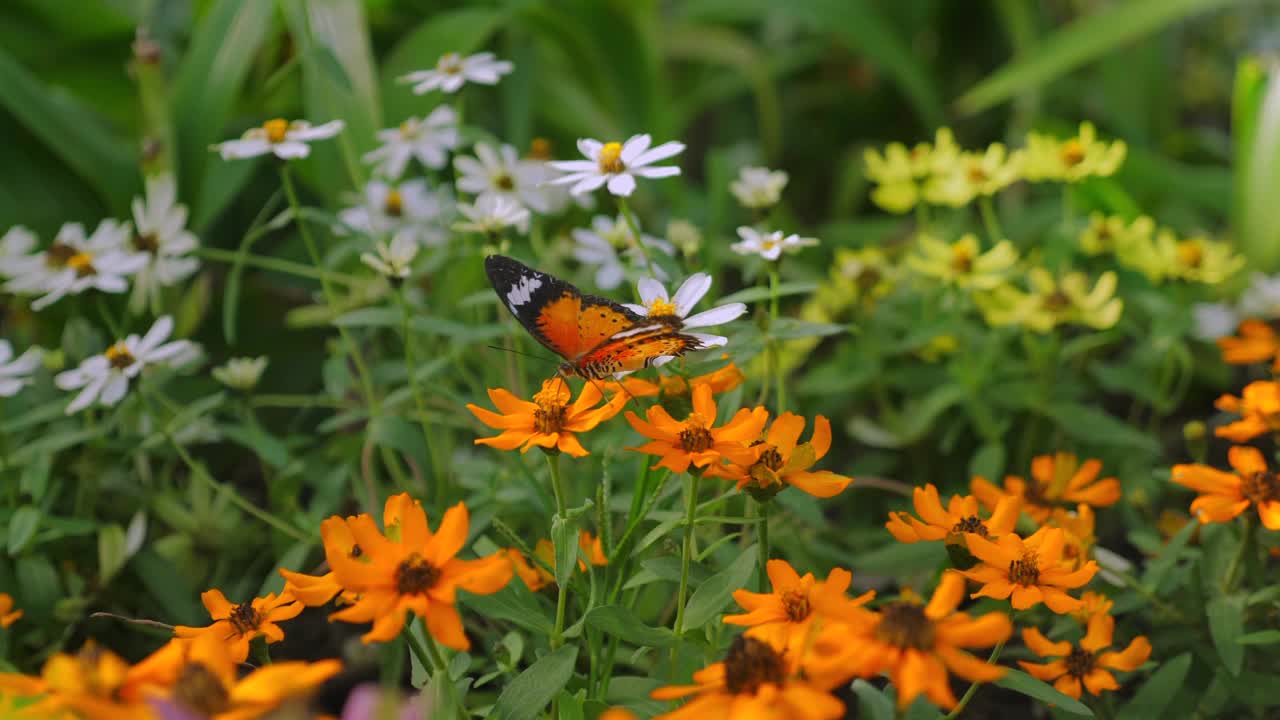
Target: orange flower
1258 408
617 713
550 421
1056 481
8 615
592 548
789 611
535 575
1084 663
1257 343
236 625
951 524
413 570
916 644
779 460
200 676
88 683
1078 526
756 680
313 590
721 381
1224 495
1032 571
694 441
1092 603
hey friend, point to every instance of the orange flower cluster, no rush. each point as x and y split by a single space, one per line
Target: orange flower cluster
550 422
1224 495
1085 663
1057 481
1257 343
1258 407
8 615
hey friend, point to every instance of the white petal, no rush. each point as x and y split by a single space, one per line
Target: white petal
637 309
27 362
656 172
289 149
690 292
589 183
609 276
240 149
71 379
622 185
773 253
710 341
574 166
9 388
590 149
157 334
6 351
651 290
318 132
114 390
661 360
662 152
87 395
634 148
716 316
168 351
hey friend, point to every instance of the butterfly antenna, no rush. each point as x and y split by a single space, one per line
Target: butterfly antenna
543 358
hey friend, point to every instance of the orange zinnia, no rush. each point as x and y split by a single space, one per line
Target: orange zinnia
959 518
550 421
1084 664
694 441
1224 495
417 571
88 683
789 611
1058 480
1091 604
535 575
756 680
8 615
1257 343
1078 526
781 460
201 677
916 644
1258 407
1032 571
236 625
721 381
313 590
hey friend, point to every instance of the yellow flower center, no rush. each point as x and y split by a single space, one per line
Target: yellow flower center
904 625
661 307
244 618
549 418
768 244
977 175
146 242
1072 153
611 158
695 437
961 259
1025 571
1079 662
504 182
409 128
58 254
450 64
750 664
540 149
1190 254
1056 301
972 524
276 129
82 263
796 603
198 688
415 576
394 204
771 458
1260 487
119 357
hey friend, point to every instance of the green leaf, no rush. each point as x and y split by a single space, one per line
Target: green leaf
1156 693
901 559
23 524
621 622
795 329
165 583
514 603
1255 125
111 552
400 434
757 294
1226 626
1020 682
714 593
1082 41
1091 425
564 535
461 31
1262 637
873 704
988 461
266 446
1159 567
526 696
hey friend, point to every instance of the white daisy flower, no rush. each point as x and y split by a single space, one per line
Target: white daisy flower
15 373
430 140
282 138
160 231
676 308
1262 298
769 246
16 252
502 172
452 71
491 213
75 263
1214 320
758 188
409 207
241 373
616 165
104 378
393 260
603 245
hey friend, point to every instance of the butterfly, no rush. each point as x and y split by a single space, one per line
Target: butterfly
596 336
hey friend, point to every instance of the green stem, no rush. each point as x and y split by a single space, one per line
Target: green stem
990 219
630 218
775 352
1237 562
686 550
562 595
973 688
763 545
278 265
419 402
429 656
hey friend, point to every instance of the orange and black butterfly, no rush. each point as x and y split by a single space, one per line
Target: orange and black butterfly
596 336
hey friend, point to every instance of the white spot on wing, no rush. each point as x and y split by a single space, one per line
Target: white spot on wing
635 331
522 291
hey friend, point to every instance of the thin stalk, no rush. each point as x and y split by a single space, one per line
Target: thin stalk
990 219
414 386
429 655
775 352
1237 562
276 264
763 545
686 551
562 595
973 687
630 218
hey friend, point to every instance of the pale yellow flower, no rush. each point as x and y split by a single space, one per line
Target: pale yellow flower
1111 234
1194 259
963 263
974 174
1053 301
1073 159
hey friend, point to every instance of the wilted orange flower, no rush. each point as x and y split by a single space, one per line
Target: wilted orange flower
960 517
1257 343
1224 495
200 676
1058 480
781 460
1085 663
1092 603
787 614
756 680
1258 407
694 441
550 422
721 381
916 644
236 625
1032 571
88 683
1078 525
8 615
413 570
316 590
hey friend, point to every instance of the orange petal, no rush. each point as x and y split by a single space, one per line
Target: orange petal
1098 637
821 483
1068 685
449 537
1246 460
1043 646
821 439
946 598
983 631
969 667
785 432
509 404
929 506
995 555
216 603
1004 517
1100 494
445 625
703 403
1130 658
1097 680
1047 672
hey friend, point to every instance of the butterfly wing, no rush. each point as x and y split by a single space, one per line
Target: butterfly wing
627 352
